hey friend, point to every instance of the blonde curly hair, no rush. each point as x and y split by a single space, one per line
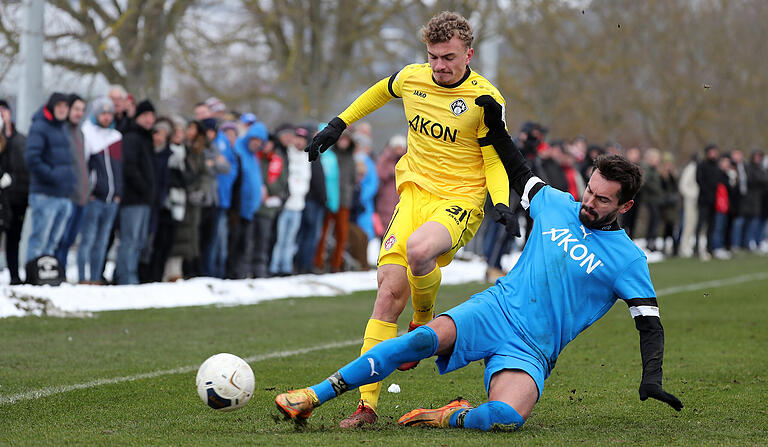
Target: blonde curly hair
442 28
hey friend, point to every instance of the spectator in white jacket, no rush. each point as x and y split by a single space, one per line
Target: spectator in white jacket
689 190
299 173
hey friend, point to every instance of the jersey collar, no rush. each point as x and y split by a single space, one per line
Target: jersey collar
458 83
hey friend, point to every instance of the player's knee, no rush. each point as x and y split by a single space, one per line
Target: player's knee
422 340
418 253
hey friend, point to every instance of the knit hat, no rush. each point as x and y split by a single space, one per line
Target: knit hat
215 104
228 125
163 125
102 105
144 106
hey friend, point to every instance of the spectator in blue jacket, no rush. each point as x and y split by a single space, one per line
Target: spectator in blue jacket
51 176
241 237
103 146
215 257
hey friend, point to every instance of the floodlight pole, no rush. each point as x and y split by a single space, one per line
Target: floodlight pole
31 94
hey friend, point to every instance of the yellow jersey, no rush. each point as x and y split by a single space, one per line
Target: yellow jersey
445 126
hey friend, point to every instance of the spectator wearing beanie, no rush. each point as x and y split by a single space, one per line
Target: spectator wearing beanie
16 193
51 177
138 192
103 146
79 164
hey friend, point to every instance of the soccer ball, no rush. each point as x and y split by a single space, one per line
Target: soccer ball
225 382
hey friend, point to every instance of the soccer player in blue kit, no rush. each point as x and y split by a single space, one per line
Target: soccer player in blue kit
576 264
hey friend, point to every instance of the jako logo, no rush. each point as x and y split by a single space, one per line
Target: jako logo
435 130
419 94
578 252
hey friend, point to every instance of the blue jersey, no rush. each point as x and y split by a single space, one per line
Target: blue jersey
568 276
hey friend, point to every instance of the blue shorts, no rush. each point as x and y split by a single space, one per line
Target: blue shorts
484 332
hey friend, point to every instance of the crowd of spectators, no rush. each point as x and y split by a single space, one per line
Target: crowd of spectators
222 195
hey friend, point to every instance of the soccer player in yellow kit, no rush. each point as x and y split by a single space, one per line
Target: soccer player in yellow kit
442 181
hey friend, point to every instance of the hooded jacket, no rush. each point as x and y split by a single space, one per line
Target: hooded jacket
250 187
103 145
48 157
226 181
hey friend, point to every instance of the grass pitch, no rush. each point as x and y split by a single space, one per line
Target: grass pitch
715 362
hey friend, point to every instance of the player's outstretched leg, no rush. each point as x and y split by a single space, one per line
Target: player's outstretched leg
373 366
423 295
459 414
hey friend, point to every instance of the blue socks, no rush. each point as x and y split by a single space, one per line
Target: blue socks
486 416
379 362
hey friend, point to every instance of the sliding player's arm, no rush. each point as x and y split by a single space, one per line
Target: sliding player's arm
635 281
645 311
373 98
519 175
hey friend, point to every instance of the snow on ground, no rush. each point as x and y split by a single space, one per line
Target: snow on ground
70 300
79 300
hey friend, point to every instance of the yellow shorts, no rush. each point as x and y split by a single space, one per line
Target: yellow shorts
418 206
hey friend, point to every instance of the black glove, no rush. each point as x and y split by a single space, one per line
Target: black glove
493 119
503 215
325 138
655 391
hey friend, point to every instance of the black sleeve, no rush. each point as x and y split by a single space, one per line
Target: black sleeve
648 324
517 168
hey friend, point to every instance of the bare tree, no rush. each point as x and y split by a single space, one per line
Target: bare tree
123 40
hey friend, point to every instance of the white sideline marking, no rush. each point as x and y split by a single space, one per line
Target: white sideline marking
713 283
45 392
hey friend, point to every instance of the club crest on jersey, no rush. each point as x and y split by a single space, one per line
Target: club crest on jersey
389 242
458 107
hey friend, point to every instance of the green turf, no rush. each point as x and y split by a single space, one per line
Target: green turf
715 361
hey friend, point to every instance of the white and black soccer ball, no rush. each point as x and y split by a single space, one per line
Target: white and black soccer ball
225 382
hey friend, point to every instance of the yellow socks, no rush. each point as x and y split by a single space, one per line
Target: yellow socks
423 294
375 332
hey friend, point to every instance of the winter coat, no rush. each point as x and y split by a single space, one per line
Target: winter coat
347 177
250 169
553 174
757 186
274 173
331 172
6 180
179 178
670 204
104 149
386 197
18 192
162 179
138 166
48 157
707 175
79 163
226 181
687 185
299 176
653 194
369 185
